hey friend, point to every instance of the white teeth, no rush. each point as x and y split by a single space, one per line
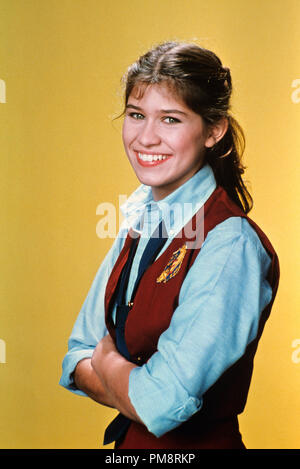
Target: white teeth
144 157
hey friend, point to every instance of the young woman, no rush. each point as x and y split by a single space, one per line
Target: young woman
169 329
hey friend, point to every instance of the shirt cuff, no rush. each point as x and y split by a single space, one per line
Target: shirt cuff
69 364
159 399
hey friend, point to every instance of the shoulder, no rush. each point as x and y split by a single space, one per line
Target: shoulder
235 228
231 259
233 243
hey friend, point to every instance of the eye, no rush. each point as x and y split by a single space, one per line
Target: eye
136 115
171 120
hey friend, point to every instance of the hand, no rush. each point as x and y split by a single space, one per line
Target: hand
106 345
103 353
113 370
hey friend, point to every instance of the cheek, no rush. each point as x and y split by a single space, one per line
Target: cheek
190 151
124 134
128 137
183 145
196 144
127 133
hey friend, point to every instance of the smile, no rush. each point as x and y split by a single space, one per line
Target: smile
151 160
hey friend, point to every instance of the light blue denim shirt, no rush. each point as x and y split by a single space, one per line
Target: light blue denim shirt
217 316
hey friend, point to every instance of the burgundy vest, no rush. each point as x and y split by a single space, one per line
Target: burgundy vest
215 425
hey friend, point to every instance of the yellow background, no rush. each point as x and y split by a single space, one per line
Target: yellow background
62 155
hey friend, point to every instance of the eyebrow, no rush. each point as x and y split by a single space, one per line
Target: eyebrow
164 111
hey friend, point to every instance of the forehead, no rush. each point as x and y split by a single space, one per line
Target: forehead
158 93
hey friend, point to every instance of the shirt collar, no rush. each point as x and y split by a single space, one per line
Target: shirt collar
177 208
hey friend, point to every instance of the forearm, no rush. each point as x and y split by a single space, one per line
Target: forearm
87 381
113 371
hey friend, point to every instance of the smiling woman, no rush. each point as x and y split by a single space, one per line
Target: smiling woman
197 80
169 330
162 134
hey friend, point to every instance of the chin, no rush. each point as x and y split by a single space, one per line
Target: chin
148 181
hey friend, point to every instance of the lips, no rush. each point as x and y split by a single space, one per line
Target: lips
147 159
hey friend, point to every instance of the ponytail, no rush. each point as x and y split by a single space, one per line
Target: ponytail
225 161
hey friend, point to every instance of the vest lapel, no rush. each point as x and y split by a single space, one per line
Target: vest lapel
110 293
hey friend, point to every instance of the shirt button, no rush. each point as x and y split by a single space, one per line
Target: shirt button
139 358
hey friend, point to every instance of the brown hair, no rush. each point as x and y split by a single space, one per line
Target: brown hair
198 77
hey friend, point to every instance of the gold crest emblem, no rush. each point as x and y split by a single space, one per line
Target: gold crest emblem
173 266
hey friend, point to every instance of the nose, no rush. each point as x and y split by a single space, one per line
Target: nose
148 135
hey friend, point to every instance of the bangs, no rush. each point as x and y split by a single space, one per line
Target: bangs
138 89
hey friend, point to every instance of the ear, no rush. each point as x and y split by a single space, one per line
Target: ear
216 132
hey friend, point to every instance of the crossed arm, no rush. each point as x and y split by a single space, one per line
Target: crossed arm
209 331
105 378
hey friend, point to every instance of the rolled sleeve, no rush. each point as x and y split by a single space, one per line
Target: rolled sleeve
89 327
70 361
220 304
154 390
